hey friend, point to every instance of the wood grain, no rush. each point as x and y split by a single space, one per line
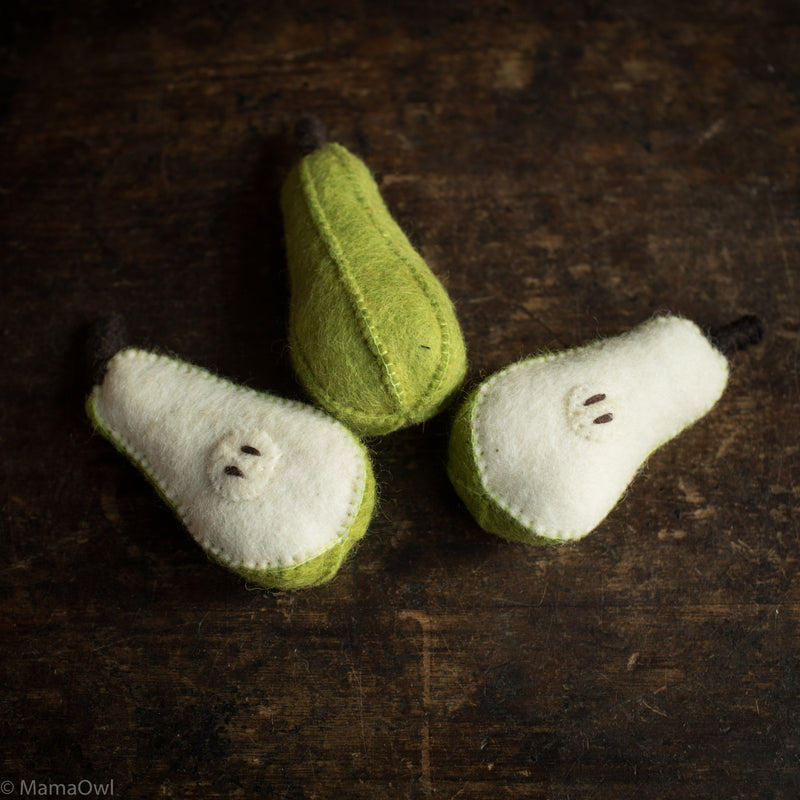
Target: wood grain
568 170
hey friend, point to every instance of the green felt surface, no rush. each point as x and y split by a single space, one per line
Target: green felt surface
374 336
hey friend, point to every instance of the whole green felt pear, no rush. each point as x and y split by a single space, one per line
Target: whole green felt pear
373 334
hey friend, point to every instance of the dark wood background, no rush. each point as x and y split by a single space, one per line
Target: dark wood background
568 169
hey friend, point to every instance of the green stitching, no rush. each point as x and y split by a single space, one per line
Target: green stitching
340 409
368 328
438 375
367 422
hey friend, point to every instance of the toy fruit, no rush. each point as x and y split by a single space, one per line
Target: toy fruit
542 450
275 490
373 335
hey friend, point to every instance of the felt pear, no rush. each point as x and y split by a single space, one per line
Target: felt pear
373 334
275 490
542 450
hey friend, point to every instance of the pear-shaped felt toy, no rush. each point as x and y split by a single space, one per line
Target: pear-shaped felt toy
373 335
543 450
275 490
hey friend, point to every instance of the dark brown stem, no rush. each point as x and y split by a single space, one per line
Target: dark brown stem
310 134
737 335
107 336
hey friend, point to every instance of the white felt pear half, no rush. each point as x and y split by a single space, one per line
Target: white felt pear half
543 450
275 490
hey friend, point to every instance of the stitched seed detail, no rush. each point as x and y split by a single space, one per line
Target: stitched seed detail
595 398
588 413
241 464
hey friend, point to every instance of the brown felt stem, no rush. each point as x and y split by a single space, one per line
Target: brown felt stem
310 134
107 336
737 335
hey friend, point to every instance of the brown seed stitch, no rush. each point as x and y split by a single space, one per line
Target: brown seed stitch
595 398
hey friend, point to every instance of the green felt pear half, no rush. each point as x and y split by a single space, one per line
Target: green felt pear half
542 450
373 334
275 490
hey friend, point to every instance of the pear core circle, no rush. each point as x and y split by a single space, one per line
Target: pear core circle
241 464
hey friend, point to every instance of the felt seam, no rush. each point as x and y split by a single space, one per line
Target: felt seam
367 417
121 443
516 514
365 423
445 350
469 485
480 461
367 326
324 566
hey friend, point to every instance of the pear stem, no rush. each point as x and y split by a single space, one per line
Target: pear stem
737 335
310 134
106 337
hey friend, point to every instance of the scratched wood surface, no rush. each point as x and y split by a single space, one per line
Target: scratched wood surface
568 171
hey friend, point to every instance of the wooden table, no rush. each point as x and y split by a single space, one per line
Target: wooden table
568 172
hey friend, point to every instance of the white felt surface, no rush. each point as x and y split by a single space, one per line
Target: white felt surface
540 454
184 426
